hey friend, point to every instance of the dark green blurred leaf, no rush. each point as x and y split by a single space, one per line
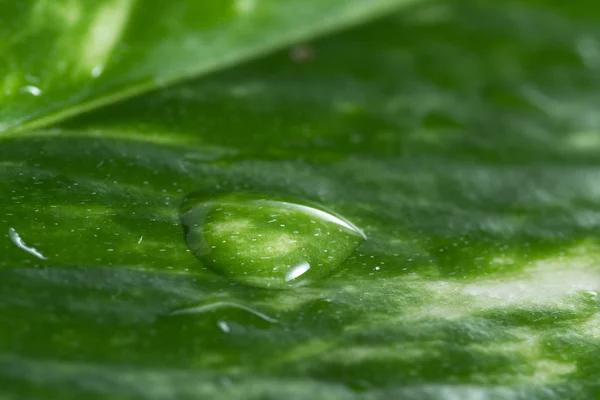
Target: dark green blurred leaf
463 138
61 57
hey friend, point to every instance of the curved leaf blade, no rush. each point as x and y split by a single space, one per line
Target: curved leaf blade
60 58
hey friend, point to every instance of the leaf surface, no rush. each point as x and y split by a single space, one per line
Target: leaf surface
462 138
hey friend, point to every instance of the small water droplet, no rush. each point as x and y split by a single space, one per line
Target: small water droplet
17 241
233 234
202 308
97 71
224 326
297 271
32 90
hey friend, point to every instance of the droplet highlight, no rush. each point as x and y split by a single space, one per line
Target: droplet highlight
267 241
297 271
202 308
17 241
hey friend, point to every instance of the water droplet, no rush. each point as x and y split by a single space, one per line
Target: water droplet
97 71
16 239
202 308
224 326
234 235
297 271
32 90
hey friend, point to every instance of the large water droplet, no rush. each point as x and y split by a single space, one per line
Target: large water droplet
267 241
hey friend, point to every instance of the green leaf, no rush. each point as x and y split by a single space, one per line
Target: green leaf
461 137
62 57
